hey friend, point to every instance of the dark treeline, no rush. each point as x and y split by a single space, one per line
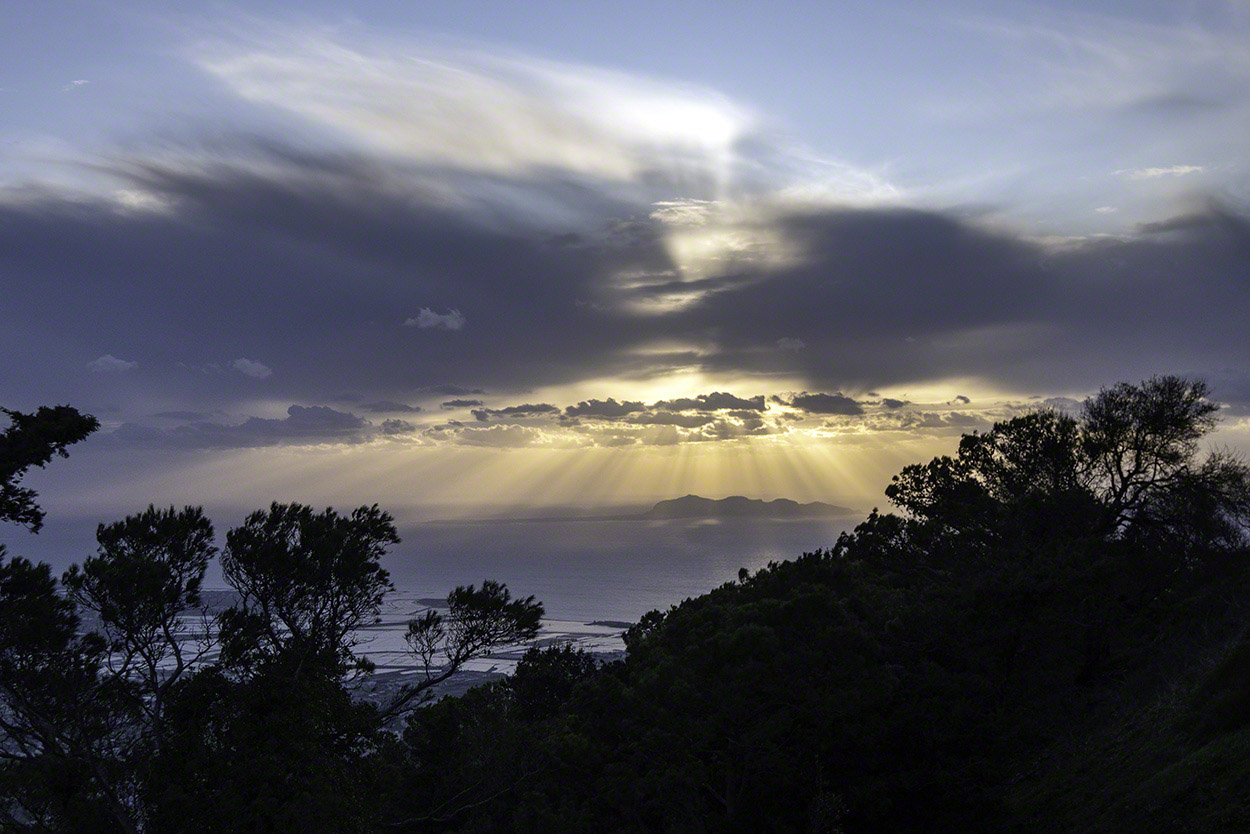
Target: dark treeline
1050 636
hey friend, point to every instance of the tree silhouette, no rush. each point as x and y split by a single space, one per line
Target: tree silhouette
120 719
1129 463
33 440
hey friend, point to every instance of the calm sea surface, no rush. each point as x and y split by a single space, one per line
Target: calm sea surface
600 570
581 570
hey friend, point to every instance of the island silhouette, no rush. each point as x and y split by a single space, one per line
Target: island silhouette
739 506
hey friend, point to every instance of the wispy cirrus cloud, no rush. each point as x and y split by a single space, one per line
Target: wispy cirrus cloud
302 425
508 119
482 112
1156 172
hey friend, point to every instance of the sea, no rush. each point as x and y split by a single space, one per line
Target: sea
594 576
601 569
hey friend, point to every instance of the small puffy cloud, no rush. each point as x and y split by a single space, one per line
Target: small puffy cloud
462 403
889 402
1155 173
252 368
397 427
836 403
108 363
608 408
787 343
390 407
527 410
960 398
76 84
712 402
1106 210
427 319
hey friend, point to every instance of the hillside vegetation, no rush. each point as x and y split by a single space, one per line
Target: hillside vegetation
1050 636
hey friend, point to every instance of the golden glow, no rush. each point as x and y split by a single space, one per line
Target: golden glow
421 482
845 460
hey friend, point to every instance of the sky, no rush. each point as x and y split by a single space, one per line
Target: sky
464 258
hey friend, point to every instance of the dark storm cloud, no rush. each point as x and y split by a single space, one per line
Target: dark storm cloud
892 403
825 404
893 297
312 264
461 403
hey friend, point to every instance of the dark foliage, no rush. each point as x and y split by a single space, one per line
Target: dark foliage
33 440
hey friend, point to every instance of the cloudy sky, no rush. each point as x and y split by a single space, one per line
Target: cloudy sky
478 255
